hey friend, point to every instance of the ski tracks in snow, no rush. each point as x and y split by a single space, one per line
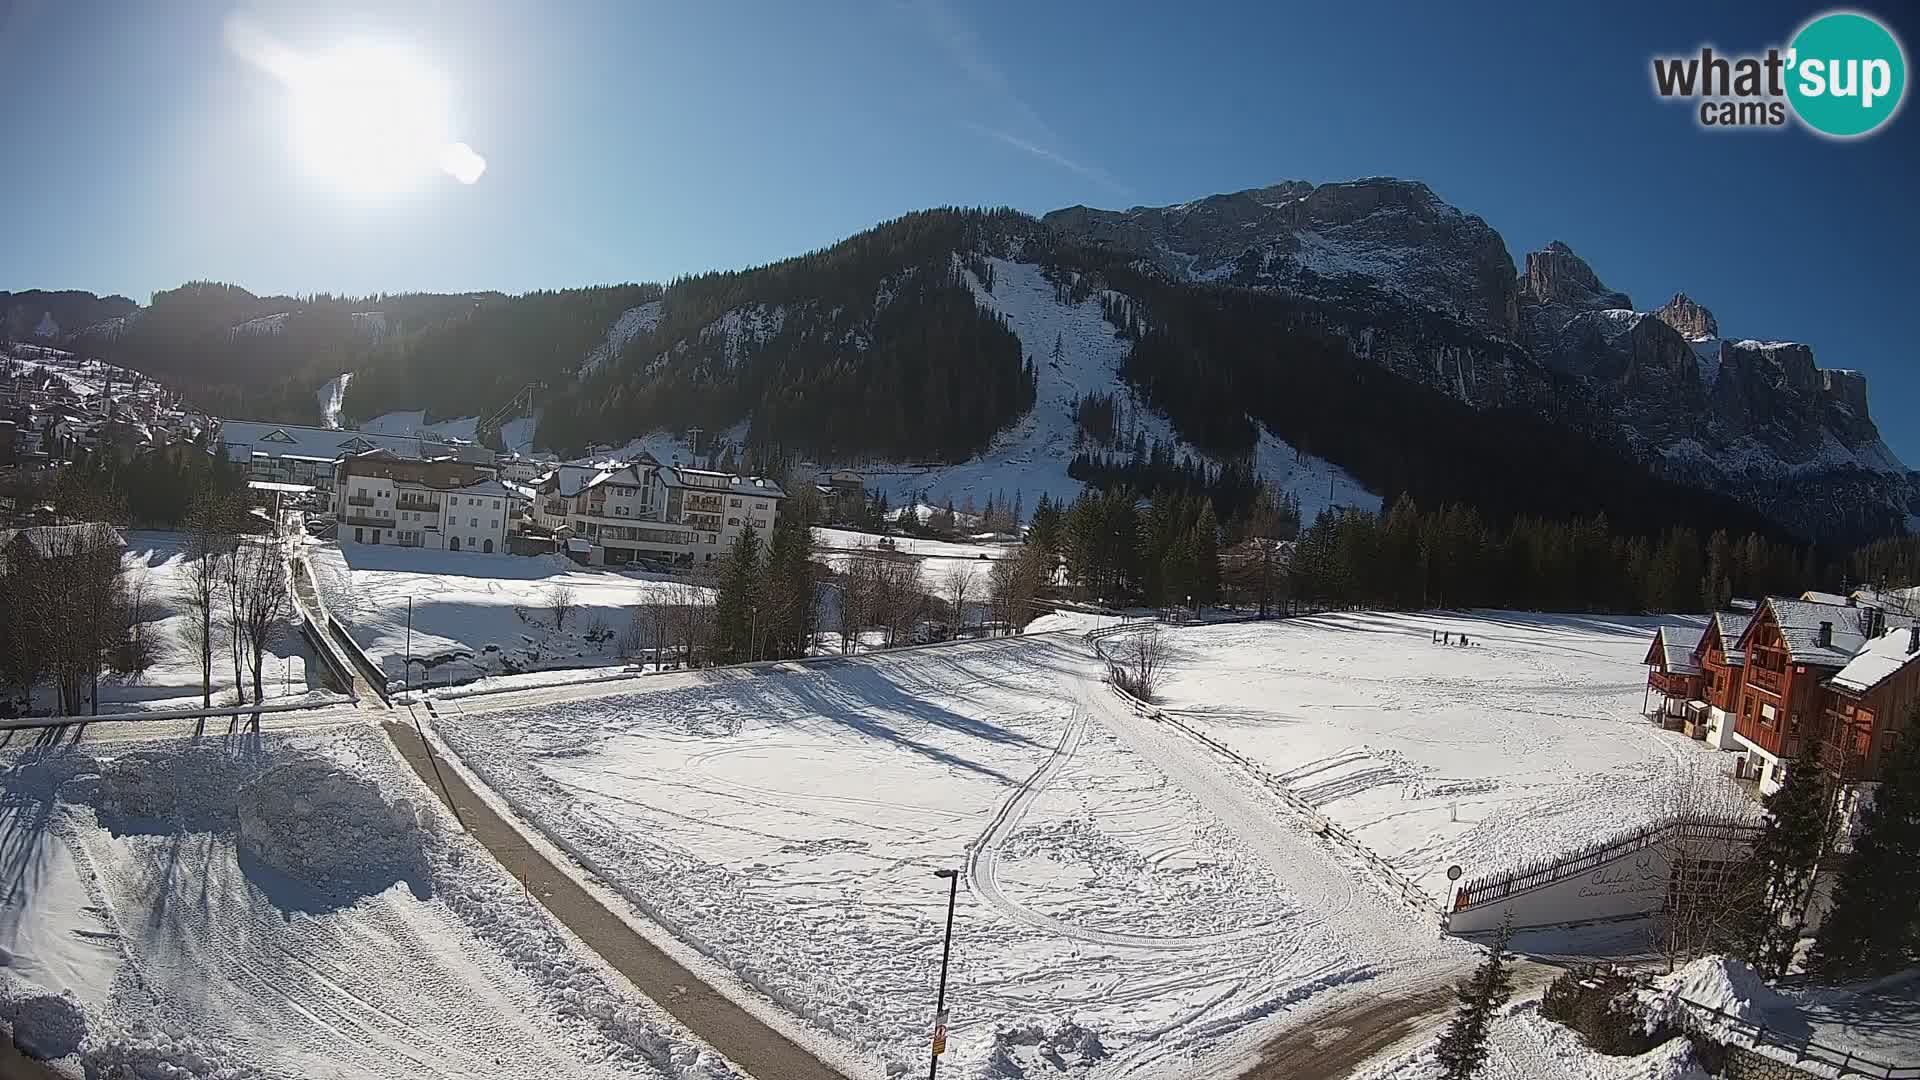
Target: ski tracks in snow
983 862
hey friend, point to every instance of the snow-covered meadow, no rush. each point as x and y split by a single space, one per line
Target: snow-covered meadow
292 906
786 823
1525 743
939 560
477 614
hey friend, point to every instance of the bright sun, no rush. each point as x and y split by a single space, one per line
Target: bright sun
368 118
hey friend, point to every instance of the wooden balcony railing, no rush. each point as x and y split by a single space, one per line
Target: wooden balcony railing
1673 684
1766 679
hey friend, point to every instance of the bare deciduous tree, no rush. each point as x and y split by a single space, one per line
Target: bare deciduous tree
1137 662
261 602
560 602
202 582
959 585
1714 888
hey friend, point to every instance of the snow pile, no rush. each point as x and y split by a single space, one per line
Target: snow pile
158 1052
155 790
1033 1051
314 821
1719 982
45 1026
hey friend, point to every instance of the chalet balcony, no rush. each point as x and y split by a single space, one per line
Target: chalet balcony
1674 684
415 504
712 504
359 500
1766 679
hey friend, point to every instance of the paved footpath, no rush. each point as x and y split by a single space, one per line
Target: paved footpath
744 1039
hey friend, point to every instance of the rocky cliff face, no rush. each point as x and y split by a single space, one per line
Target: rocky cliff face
1429 292
1321 241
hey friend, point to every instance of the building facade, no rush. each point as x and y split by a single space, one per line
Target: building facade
646 512
380 498
1870 705
296 454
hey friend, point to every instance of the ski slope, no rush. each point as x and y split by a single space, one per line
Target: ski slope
1525 744
1032 457
1124 898
290 906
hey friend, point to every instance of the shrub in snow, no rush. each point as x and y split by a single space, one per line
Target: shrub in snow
45 1026
314 821
1034 1051
1600 1005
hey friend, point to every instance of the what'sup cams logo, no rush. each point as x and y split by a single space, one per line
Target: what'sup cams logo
1843 76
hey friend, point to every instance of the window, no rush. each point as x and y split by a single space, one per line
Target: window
735 503
496 504
473 523
733 521
360 493
760 504
494 524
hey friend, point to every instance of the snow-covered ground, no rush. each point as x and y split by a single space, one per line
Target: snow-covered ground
938 559
1527 743
292 906
476 614
155 567
1523 1045
1123 903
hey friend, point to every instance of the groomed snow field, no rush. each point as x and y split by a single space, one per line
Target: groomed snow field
1128 906
281 907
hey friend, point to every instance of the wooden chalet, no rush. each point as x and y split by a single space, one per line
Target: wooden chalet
1674 674
1870 704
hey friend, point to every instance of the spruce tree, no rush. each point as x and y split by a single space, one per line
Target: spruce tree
1464 1045
1205 571
1785 857
736 606
1875 922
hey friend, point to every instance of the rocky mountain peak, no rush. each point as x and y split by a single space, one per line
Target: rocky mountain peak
1385 234
1686 315
1555 275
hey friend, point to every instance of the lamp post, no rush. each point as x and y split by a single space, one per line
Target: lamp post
946 953
409 642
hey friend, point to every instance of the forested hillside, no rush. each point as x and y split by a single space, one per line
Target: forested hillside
875 346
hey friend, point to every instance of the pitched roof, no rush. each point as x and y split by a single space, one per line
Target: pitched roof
1729 627
708 480
1877 662
246 437
1673 646
57 541
1800 621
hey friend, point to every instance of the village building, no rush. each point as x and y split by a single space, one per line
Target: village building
380 497
1723 673
1870 705
295 454
642 511
1674 674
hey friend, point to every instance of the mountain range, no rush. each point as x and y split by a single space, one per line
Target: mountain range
1364 337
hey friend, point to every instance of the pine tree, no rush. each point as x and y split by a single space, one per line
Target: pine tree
1205 570
1463 1047
736 605
1044 531
1785 856
1875 922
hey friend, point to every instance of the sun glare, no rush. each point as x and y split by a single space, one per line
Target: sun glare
366 117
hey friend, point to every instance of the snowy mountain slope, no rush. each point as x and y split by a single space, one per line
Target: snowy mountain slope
1032 456
632 323
330 393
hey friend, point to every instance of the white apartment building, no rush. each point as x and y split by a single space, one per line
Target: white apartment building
452 505
641 510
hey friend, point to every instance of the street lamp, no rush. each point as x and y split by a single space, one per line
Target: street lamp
946 953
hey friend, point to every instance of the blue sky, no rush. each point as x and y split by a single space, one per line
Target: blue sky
638 140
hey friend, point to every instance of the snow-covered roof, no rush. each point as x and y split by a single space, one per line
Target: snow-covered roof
1673 648
484 489
1800 622
56 541
247 437
1731 626
1814 596
1877 662
708 480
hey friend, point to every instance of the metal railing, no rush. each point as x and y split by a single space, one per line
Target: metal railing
359 500
412 504
1805 1050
